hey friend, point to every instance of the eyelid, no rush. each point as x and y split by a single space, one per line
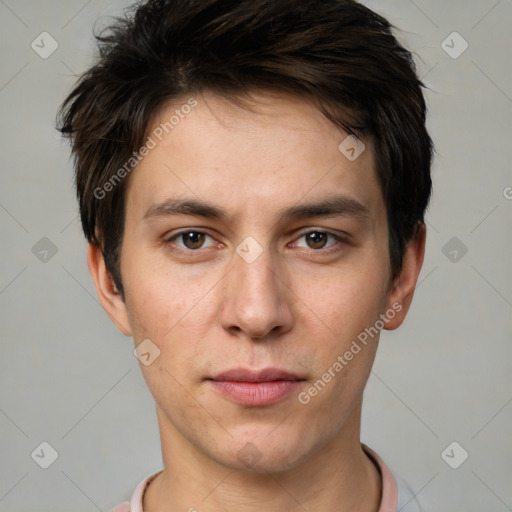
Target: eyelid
337 234
171 238
343 238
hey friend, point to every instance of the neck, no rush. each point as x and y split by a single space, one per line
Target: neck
337 476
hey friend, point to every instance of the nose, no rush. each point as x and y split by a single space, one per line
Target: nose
256 298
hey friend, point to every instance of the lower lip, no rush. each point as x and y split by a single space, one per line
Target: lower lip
256 393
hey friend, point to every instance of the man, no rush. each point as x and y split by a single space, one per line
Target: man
252 178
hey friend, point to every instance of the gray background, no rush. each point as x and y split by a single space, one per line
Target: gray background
69 378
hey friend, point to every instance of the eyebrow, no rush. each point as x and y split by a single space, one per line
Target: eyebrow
329 207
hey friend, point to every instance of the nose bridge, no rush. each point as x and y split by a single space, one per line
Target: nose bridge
255 299
255 272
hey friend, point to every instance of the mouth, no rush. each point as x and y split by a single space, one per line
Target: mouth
255 387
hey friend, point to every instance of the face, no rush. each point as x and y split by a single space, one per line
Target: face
253 243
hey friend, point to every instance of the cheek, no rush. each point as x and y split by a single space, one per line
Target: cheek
176 314
344 303
160 300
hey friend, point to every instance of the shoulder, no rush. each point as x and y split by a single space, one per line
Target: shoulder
135 503
122 507
397 495
407 500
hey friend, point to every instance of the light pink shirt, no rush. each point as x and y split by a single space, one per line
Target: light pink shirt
388 503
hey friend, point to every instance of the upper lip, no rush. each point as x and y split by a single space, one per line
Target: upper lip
248 375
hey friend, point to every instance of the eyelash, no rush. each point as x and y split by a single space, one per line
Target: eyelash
328 250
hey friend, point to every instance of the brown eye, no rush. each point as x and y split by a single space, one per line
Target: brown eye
192 240
316 239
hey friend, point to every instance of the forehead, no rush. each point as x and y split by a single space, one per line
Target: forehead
276 153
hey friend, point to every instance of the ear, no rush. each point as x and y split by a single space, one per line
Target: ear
109 297
402 290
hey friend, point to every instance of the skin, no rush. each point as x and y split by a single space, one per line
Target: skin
297 306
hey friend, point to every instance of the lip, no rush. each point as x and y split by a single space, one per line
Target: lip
255 387
248 375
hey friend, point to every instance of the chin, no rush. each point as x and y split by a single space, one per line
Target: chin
267 454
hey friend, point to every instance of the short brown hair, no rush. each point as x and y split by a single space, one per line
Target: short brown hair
337 53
